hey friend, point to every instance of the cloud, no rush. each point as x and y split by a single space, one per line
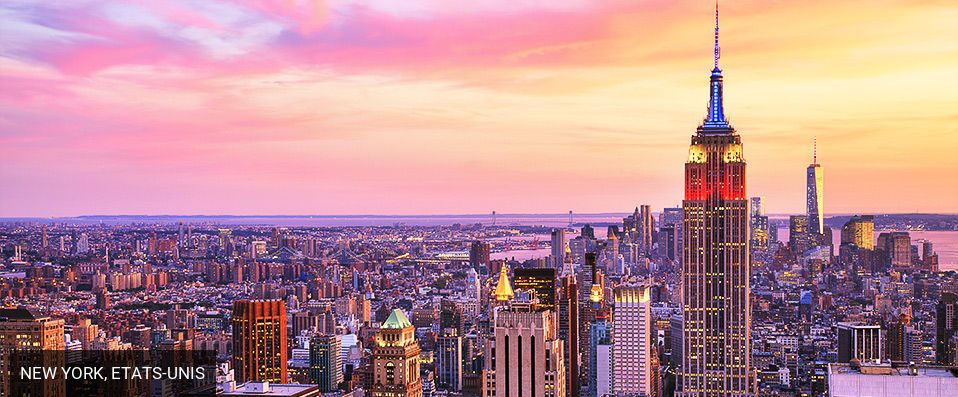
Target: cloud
321 107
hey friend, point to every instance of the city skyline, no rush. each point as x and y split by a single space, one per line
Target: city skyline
228 108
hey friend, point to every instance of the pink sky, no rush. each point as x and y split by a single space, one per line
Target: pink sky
447 106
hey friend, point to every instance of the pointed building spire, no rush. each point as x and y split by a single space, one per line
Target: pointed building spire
815 151
715 122
503 290
718 51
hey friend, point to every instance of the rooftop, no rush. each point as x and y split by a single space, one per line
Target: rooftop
397 319
273 389
893 370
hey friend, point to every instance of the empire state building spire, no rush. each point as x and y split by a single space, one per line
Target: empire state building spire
716 312
718 50
715 121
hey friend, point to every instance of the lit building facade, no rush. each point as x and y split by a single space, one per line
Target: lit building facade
541 281
525 355
715 281
325 364
24 330
814 183
259 341
632 342
395 362
859 231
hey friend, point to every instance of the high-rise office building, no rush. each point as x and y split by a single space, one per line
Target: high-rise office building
259 340
895 339
542 282
587 232
558 248
897 249
524 356
859 341
180 235
83 244
325 362
758 225
669 242
602 380
632 342
645 229
799 238
395 359
479 255
946 323
591 305
814 183
859 231
568 322
717 341
676 324
449 360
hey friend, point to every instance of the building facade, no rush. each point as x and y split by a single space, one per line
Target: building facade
259 341
632 342
325 362
525 355
715 281
395 361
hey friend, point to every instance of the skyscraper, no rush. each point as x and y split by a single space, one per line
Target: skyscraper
259 340
601 359
395 359
449 360
325 365
715 281
524 356
587 231
479 255
897 249
946 313
632 342
859 231
814 183
799 238
568 322
542 282
645 226
558 248
759 226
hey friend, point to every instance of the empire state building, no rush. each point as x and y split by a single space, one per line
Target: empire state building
715 278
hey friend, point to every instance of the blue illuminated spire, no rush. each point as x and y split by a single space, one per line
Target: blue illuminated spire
715 120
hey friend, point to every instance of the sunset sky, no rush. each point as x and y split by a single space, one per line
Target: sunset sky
452 107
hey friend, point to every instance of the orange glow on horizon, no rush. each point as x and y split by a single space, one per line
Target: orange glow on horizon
439 107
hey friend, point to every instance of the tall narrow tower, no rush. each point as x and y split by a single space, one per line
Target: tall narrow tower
813 198
715 278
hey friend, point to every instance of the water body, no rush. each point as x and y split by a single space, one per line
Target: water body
945 243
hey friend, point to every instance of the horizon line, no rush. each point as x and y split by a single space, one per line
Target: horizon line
468 215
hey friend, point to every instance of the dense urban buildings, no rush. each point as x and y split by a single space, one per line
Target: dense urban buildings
698 300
